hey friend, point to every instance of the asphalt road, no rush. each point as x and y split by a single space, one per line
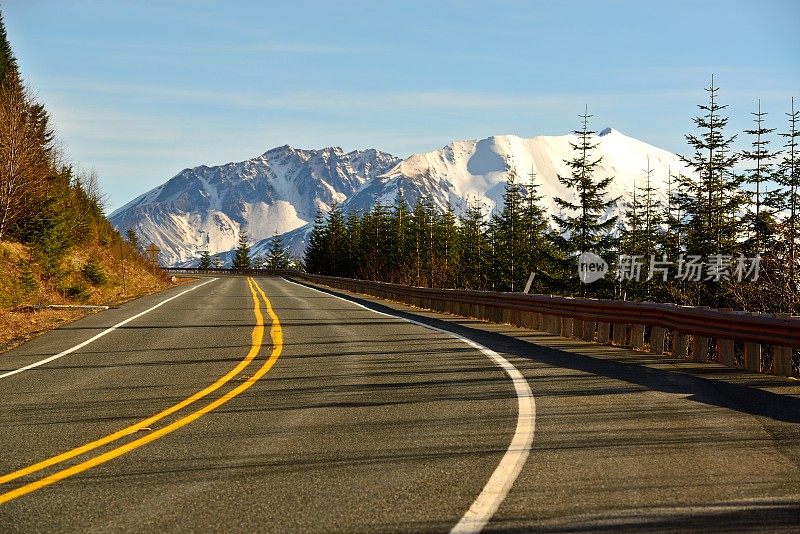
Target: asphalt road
335 418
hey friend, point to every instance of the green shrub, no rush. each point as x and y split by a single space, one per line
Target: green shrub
77 292
94 273
27 279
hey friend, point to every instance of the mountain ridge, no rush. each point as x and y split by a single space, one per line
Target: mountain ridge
471 170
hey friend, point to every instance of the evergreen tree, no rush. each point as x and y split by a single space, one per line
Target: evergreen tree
355 243
133 239
537 255
336 243
760 220
205 260
671 237
584 226
420 242
473 248
510 227
789 178
399 253
9 73
277 257
710 202
444 247
314 261
241 257
640 234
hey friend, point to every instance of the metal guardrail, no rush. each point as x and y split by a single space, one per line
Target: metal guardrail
593 319
766 329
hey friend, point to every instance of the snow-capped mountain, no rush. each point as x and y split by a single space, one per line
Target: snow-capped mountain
206 208
477 170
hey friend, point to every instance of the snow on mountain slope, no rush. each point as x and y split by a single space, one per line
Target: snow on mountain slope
206 208
478 170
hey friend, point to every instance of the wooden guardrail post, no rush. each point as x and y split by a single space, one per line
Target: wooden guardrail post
603 332
588 330
577 328
657 335
725 352
680 344
725 347
752 355
699 349
619 330
566 326
782 356
637 336
555 325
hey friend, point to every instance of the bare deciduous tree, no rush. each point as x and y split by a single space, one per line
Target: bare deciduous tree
24 156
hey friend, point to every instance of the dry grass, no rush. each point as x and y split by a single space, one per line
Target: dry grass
22 306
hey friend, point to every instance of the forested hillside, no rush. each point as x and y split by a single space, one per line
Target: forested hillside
56 246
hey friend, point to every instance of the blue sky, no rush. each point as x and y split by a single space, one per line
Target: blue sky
140 90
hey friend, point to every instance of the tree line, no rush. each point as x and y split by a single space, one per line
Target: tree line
718 222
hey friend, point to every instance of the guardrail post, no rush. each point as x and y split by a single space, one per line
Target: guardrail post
680 344
752 357
603 332
618 333
725 352
637 336
657 335
699 349
555 325
782 356
725 349
588 330
566 326
577 328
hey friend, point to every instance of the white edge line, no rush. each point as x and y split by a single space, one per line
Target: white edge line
101 334
510 466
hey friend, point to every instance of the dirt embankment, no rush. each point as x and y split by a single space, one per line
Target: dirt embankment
90 275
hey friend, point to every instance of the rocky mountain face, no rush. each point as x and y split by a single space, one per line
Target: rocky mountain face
207 207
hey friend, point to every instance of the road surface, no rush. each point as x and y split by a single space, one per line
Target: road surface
262 405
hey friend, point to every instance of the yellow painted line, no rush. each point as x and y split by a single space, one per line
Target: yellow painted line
257 339
150 420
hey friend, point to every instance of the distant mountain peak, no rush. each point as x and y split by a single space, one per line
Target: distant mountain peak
278 191
607 131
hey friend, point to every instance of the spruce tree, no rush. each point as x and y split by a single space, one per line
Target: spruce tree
537 255
335 254
444 246
205 260
671 237
760 220
584 226
241 257
133 239
472 248
277 256
314 260
789 178
399 253
510 237
711 201
9 73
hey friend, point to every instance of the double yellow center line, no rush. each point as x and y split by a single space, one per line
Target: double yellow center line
257 336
